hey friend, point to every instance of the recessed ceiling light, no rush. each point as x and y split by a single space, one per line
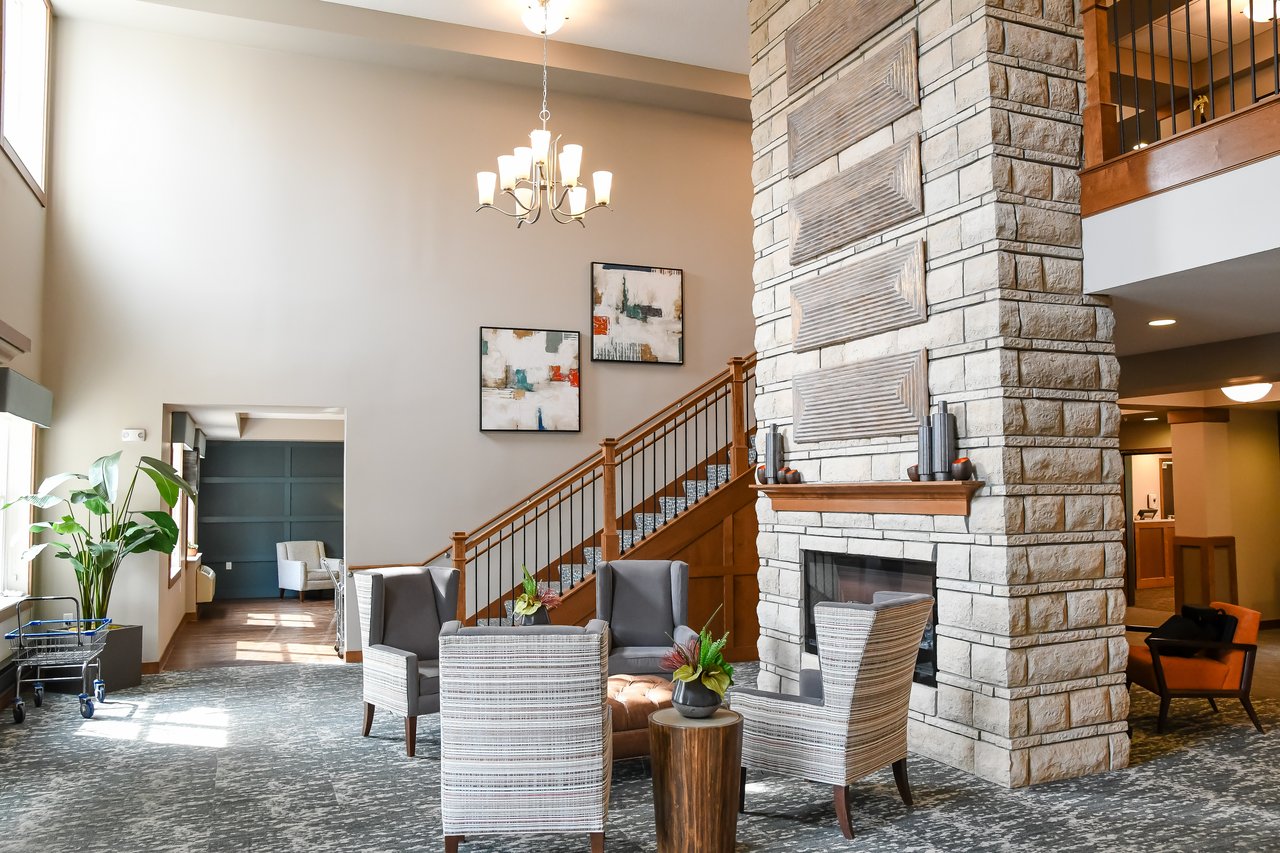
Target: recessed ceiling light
1151 419
1251 393
1163 321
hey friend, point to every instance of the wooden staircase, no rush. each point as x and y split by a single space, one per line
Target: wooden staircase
675 486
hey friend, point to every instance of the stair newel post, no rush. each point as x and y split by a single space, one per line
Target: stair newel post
609 535
738 455
460 563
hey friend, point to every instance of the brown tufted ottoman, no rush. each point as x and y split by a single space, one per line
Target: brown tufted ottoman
632 698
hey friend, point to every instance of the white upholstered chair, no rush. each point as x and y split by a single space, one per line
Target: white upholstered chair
302 567
525 731
854 722
401 611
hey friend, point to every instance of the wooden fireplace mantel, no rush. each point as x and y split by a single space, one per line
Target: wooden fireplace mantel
944 497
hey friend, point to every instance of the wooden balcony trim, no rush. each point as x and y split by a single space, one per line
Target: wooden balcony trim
1229 142
945 497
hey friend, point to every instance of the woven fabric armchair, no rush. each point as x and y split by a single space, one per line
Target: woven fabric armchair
854 720
525 731
401 611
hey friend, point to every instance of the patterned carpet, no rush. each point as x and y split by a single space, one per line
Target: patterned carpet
269 758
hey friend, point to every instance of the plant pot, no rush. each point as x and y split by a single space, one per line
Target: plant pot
695 699
539 617
121 661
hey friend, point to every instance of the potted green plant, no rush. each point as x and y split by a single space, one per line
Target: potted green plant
701 673
100 528
533 604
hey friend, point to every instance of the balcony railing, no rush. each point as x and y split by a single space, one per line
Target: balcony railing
1160 68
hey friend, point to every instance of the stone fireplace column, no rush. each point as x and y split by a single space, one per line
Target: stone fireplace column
917 233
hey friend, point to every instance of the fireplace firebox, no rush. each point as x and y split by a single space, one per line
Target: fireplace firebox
857 577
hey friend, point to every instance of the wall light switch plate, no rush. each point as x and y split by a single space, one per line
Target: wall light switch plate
226 567
133 435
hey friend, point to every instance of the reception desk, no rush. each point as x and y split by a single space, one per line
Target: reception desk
1153 545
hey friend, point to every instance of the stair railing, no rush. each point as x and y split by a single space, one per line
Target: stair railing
603 506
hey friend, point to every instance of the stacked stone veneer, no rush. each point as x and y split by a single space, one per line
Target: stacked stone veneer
1031 649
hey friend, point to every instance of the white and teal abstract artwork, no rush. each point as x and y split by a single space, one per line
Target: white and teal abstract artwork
637 314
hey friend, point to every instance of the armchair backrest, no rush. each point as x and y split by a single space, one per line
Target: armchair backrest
1248 623
642 600
308 551
404 607
868 654
525 731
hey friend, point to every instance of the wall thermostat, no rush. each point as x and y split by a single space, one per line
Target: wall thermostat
133 435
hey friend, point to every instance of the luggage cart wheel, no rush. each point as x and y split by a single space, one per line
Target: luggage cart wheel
19 711
39 690
100 690
86 706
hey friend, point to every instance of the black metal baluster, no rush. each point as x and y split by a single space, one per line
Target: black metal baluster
1191 66
1133 63
1231 59
1151 54
1253 57
1275 49
1112 15
1173 97
1208 37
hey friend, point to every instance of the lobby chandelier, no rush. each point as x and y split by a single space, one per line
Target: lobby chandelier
543 176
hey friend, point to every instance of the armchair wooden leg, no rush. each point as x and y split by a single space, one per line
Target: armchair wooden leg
1164 715
282 593
302 595
841 796
742 792
368 719
1212 704
900 777
451 843
597 842
1253 715
410 736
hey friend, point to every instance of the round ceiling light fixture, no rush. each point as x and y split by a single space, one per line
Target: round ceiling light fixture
1260 11
1251 393
1162 321
544 17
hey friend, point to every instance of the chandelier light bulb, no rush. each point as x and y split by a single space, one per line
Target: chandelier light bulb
540 141
1250 393
524 162
603 183
570 164
507 171
485 183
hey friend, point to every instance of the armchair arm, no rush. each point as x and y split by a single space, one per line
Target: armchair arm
753 697
292 573
683 634
1141 629
391 678
1158 643
334 566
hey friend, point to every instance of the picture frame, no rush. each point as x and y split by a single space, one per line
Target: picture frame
637 314
530 380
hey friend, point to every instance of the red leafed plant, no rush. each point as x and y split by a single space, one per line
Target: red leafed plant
533 598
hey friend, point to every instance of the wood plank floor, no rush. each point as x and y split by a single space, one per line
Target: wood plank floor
256 631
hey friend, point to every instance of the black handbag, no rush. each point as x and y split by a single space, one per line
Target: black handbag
1178 627
1217 625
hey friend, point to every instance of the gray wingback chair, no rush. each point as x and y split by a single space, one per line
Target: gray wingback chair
525 732
646 603
851 719
401 612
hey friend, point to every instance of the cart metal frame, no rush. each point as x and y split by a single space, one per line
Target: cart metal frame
58 644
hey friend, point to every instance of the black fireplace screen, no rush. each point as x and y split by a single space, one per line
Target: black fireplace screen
856 577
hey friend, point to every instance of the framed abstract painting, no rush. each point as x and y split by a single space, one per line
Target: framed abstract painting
530 380
637 314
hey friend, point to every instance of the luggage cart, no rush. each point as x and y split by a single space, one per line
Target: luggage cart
58 644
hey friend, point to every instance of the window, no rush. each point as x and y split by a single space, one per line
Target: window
24 86
17 468
179 514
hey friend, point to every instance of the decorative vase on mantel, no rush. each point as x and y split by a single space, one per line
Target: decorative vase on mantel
694 699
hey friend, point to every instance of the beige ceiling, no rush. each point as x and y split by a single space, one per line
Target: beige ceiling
709 33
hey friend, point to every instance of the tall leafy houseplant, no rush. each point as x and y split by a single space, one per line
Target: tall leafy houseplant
99 529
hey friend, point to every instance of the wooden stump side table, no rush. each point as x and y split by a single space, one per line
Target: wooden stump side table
696 780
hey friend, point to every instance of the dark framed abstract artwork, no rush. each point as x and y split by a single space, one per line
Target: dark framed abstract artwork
637 314
530 380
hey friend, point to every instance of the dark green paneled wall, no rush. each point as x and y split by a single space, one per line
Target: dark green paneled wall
254 494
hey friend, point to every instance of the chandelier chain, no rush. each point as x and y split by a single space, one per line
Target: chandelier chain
545 115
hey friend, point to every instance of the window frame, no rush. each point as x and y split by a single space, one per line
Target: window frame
38 187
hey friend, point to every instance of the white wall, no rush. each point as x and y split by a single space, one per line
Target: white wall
1255 508
1227 216
236 225
1146 480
